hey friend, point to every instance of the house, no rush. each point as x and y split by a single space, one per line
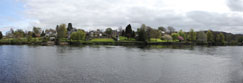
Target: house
50 33
96 34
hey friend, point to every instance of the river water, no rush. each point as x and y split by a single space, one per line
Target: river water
120 64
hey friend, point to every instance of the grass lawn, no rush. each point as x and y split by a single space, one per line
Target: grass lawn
122 38
102 40
159 40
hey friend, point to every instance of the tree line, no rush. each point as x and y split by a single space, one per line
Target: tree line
143 33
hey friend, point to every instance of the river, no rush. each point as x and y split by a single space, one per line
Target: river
120 64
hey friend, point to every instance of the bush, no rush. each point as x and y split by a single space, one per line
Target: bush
79 35
166 37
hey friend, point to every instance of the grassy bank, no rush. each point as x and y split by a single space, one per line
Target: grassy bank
101 41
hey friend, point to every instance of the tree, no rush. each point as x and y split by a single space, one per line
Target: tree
142 33
128 31
162 28
1 35
70 27
220 38
61 31
123 33
192 36
175 36
210 37
108 31
79 35
171 29
133 34
240 40
19 33
167 37
182 34
201 37
155 33
37 31
43 33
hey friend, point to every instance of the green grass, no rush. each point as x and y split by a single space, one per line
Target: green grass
102 40
123 39
159 40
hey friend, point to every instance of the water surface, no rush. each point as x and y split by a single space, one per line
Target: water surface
120 64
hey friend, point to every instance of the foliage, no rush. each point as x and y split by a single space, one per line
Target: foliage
240 39
180 38
108 31
220 38
142 34
192 36
128 31
19 33
162 28
1 35
155 33
70 27
202 37
79 35
175 36
182 34
123 33
61 31
166 37
43 34
133 34
37 31
210 38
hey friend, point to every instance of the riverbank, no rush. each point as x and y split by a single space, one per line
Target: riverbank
49 43
42 41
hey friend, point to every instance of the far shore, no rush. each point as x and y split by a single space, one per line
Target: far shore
50 43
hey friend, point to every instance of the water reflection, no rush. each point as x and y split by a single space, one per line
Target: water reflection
120 64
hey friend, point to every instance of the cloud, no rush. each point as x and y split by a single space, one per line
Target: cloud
235 5
93 14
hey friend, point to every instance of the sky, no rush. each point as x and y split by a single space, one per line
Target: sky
220 15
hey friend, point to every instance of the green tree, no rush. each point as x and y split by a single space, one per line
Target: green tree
192 36
61 31
37 31
19 33
210 38
202 37
128 31
182 34
133 34
79 35
108 31
142 33
1 35
220 38
240 39
175 36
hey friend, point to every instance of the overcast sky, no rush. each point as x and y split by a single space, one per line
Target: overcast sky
220 15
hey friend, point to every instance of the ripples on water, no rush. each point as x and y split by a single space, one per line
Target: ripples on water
120 64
